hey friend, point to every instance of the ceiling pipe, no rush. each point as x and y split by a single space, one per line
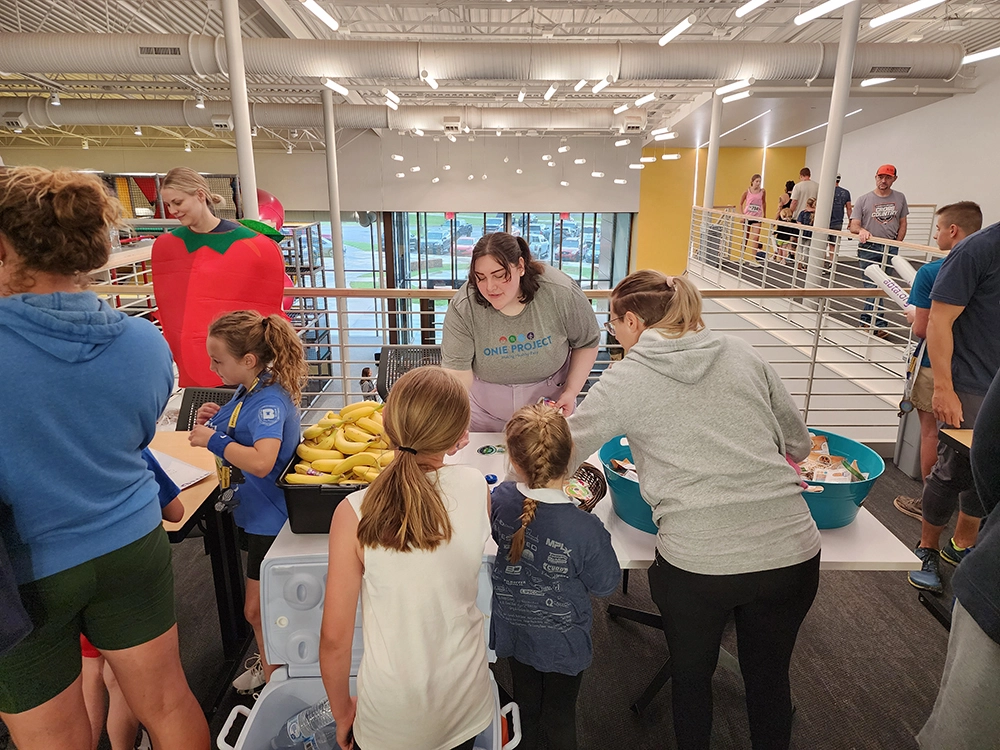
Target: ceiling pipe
199 55
183 113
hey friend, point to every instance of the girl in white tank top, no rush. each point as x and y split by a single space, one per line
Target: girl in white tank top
411 545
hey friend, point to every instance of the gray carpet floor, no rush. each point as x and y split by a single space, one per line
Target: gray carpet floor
864 675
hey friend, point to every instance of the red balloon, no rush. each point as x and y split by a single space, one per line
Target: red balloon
286 302
270 209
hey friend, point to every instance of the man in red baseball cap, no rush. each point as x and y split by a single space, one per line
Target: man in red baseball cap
880 214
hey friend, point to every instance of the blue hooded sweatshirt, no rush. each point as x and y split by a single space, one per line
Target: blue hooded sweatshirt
81 388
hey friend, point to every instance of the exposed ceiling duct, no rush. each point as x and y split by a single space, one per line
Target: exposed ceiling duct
177 54
38 112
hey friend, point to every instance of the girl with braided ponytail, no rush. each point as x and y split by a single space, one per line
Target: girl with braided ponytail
410 546
253 437
551 558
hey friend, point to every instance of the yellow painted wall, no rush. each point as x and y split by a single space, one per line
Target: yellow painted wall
667 188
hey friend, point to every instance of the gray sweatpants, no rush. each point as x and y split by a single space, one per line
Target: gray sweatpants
950 482
966 715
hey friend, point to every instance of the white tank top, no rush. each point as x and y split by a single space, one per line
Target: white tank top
423 683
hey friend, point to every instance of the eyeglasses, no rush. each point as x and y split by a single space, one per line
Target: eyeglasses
609 326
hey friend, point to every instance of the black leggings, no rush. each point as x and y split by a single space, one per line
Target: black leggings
547 703
769 607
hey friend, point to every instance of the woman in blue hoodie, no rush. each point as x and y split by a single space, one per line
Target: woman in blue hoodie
82 386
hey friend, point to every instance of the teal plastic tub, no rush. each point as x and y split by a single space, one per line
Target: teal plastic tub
625 497
838 504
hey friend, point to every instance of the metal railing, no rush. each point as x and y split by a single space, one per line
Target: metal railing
842 378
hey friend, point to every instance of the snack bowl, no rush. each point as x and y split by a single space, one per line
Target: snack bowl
838 504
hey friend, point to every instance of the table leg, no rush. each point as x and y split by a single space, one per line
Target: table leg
625 581
227 572
936 607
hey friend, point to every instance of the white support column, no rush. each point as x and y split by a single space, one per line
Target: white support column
712 166
333 186
849 28
241 108
337 238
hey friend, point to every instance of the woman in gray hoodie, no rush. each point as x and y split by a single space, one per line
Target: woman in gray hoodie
709 424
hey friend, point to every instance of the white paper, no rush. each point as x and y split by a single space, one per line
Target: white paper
182 473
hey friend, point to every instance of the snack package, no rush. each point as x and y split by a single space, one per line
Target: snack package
832 476
625 468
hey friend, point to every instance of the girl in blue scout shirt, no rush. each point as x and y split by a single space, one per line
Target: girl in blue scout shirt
254 437
551 557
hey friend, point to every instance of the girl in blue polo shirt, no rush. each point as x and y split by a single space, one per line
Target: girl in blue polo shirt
253 437
551 557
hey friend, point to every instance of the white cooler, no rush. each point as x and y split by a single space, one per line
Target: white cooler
293 583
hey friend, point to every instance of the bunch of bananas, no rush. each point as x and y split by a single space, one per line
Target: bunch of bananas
348 447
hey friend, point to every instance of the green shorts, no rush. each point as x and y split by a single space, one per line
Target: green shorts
119 600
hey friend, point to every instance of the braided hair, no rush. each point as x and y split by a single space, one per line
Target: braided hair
540 445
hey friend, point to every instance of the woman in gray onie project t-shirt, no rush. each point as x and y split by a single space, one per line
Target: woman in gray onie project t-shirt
517 331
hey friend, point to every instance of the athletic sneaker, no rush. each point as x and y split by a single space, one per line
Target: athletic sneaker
928 577
953 554
911 506
252 679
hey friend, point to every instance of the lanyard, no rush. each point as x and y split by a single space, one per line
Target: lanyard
223 467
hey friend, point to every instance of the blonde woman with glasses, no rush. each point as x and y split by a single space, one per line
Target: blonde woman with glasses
709 424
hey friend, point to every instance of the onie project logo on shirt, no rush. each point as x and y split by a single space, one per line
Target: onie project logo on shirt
517 345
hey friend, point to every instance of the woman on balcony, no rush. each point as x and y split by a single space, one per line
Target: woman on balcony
517 331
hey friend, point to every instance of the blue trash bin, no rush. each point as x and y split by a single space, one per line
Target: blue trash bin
838 504
625 496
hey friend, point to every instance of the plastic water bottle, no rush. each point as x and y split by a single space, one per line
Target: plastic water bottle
305 725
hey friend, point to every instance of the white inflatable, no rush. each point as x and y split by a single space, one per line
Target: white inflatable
905 269
896 293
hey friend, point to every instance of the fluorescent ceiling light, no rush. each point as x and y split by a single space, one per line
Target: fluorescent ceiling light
187 147
414 169
820 10
418 131
875 81
391 104
597 174
742 124
619 110
400 175
670 157
452 138
636 166
499 132
289 149
199 102
313 7
579 161
737 97
657 131
815 127
446 167
621 182
466 129
389 95
397 157
429 79
647 159
580 84
436 180
564 183
550 92
623 142
669 136
520 95
645 99
749 7
906 10
601 85
552 163
472 177
54 99
984 55
735 86
519 171
85 144
334 86
546 157
679 29
138 130
563 149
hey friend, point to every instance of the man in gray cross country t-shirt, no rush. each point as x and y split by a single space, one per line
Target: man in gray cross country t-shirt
879 214
518 330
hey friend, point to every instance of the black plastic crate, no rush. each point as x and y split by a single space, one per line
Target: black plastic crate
311 506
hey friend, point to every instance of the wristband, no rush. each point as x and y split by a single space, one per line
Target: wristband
218 442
